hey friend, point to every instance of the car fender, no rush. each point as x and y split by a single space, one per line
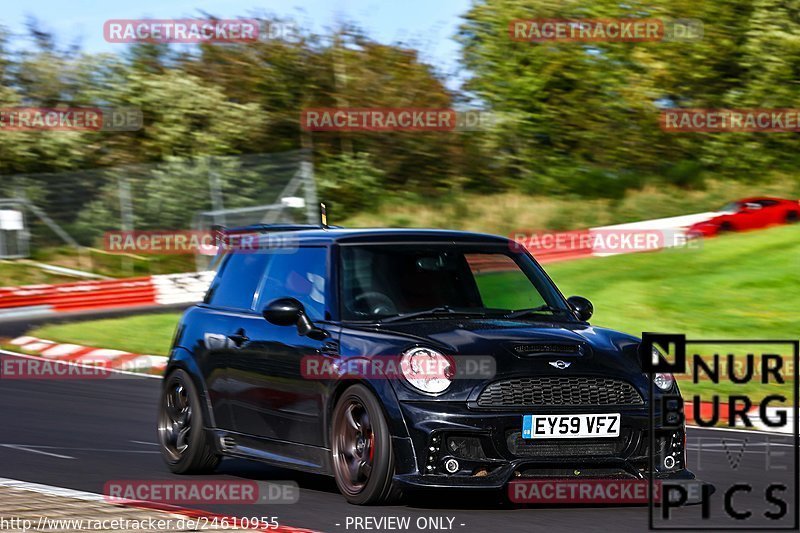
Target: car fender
184 359
405 456
382 390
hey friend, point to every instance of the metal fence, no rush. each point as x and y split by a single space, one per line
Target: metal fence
78 207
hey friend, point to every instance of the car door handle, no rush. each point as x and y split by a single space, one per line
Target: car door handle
330 348
239 338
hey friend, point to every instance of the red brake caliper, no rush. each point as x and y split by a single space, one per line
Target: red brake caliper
371 445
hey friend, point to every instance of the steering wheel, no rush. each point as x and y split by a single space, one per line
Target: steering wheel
376 303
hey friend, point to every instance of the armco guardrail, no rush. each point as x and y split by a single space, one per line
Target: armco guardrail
80 295
676 226
181 288
37 300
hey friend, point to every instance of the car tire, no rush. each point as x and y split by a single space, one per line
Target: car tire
182 438
792 217
361 449
725 227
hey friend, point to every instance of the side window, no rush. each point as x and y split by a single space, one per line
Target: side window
237 280
300 275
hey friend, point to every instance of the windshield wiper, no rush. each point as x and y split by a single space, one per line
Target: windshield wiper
536 310
444 311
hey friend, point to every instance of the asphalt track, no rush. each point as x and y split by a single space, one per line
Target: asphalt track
80 434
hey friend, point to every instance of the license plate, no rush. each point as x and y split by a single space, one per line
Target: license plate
570 426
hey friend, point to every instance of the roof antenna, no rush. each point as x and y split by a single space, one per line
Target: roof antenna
323 215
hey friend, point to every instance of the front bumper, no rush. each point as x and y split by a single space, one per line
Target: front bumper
489 452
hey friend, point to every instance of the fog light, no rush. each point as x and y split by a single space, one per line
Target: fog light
451 465
669 462
465 447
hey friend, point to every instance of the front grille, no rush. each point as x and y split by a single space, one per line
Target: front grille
602 447
558 391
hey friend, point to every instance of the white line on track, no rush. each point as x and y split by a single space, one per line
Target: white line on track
50 490
143 442
35 447
34 450
728 445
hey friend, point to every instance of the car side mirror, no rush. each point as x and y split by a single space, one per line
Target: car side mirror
283 311
583 308
289 311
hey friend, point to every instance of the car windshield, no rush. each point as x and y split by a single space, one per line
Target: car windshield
391 282
732 207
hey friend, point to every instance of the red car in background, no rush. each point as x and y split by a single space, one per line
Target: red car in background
746 214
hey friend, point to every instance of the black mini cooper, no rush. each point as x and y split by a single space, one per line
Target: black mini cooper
472 368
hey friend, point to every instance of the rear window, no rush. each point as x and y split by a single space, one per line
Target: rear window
238 277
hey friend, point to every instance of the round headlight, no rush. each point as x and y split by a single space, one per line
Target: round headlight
427 370
664 381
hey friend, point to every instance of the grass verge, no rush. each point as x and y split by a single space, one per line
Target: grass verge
509 212
145 334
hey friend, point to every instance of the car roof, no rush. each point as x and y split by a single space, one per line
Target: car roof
317 235
759 199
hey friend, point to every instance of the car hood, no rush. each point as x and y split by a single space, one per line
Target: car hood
516 348
713 222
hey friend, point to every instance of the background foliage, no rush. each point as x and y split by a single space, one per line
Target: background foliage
574 120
